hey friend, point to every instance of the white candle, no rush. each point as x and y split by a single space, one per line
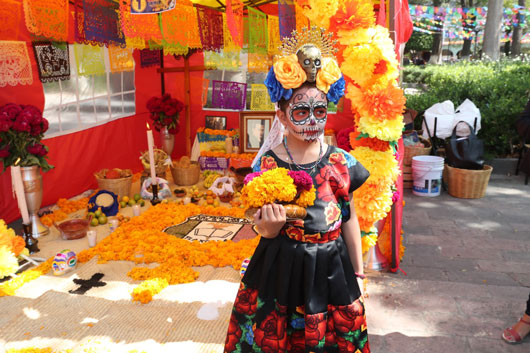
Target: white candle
150 146
16 179
92 237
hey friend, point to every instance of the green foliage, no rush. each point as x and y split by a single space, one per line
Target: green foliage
499 89
419 41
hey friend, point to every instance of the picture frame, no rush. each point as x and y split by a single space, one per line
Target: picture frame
215 122
254 127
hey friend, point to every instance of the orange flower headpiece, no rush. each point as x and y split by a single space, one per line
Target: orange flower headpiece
308 55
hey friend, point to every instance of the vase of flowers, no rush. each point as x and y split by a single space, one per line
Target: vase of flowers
165 115
22 128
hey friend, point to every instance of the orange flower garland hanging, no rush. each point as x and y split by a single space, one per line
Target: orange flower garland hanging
367 60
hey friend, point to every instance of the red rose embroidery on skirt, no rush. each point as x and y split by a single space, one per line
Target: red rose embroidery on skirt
315 329
233 335
349 317
271 335
246 301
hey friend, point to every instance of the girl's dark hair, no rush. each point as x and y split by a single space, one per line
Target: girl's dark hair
282 103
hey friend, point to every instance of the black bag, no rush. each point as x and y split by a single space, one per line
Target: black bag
465 152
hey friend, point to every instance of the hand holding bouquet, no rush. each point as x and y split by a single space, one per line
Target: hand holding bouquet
293 189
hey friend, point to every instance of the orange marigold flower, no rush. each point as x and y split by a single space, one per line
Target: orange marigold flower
371 142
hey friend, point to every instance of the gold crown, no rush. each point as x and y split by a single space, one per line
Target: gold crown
314 36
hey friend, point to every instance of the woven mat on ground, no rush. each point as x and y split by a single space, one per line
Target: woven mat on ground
90 309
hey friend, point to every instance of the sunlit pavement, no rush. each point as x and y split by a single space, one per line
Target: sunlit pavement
467 265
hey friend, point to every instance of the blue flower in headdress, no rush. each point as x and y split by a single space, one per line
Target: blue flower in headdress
276 90
336 90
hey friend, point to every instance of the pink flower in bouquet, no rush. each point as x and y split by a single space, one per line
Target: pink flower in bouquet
22 128
301 179
165 112
249 177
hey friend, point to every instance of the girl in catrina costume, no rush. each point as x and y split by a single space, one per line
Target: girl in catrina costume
302 290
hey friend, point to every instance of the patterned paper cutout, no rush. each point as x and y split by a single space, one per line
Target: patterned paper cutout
149 58
15 67
229 61
229 95
259 97
210 27
135 43
229 44
47 18
142 26
259 62
234 21
286 12
97 23
274 35
10 19
301 20
53 61
257 31
121 59
89 59
180 29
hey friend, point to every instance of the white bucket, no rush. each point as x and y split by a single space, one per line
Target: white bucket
427 175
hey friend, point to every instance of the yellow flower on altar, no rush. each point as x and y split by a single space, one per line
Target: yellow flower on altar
289 72
328 74
8 262
382 165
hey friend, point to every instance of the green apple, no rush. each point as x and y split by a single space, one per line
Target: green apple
98 213
102 219
94 222
132 202
137 197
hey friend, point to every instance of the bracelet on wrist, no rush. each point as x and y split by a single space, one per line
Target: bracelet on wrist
360 275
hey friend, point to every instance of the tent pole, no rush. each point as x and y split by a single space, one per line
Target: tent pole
187 102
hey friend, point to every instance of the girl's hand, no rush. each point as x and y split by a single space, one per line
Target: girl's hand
270 219
361 283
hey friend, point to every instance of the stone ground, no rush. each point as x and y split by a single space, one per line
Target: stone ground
467 265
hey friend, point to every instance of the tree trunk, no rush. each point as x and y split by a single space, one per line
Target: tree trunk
466 48
436 53
517 31
492 32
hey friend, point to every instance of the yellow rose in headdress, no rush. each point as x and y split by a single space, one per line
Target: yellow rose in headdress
328 74
289 72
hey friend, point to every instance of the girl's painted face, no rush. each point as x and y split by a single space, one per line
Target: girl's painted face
307 114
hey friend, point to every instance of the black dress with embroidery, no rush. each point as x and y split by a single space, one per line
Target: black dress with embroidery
299 292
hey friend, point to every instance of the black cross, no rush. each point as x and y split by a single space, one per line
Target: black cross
86 285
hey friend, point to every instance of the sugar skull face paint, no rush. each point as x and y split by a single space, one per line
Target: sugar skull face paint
307 112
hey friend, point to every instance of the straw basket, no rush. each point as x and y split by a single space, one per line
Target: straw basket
160 159
119 186
185 176
411 151
467 183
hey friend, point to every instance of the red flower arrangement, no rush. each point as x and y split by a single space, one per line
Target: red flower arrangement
165 112
22 128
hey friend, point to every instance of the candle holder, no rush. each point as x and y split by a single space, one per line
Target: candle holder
31 242
155 200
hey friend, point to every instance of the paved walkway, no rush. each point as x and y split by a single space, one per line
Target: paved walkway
468 274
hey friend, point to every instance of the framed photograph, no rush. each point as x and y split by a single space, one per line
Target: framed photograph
254 127
215 122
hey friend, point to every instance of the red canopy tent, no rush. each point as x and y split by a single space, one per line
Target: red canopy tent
119 143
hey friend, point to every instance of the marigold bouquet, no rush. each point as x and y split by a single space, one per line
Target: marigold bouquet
278 185
165 112
22 128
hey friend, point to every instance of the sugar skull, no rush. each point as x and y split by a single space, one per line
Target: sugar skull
307 113
63 262
309 57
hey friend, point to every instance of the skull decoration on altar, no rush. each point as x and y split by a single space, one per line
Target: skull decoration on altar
310 58
64 262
